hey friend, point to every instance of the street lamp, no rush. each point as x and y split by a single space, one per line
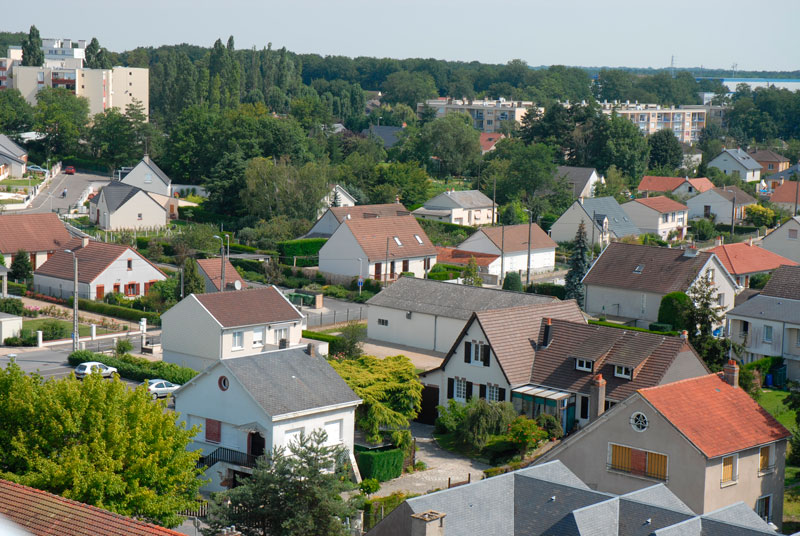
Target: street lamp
222 253
74 302
360 274
530 224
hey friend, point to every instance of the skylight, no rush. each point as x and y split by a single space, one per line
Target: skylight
398 241
639 268
418 238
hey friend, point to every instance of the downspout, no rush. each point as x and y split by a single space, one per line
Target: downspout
435 323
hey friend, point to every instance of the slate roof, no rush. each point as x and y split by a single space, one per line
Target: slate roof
249 307
516 237
660 204
213 269
649 354
765 155
9 148
784 283
388 210
731 421
290 380
619 223
742 258
389 135
744 159
31 233
93 260
664 270
116 194
742 197
762 307
467 199
45 514
786 174
787 192
373 235
578 177
450 300
462 257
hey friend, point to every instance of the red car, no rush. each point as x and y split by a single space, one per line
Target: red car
69 170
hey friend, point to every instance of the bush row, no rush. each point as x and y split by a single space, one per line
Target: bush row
631 328
17 289
305 249
117 311
136 368
335 343
548 289
382 465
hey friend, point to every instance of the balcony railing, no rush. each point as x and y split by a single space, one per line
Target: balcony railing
645 473
223 454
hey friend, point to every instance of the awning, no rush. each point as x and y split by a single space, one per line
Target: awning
531 390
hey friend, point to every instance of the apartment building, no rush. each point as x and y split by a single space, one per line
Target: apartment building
686 122
69 53
487 115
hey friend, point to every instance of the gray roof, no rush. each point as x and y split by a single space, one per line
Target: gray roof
288 381
449 299
4 270
8 315
8 147
731 192
769 308
463 198
786 174
577 176
389 135
619 222
116 194
744 159
157 170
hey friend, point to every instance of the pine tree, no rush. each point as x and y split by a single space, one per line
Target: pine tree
32 53
192 280
578 266
21 269
470 274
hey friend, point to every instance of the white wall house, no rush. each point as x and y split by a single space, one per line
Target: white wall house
720 204
147 176
334 216
785 240
248 406
119 206
511 243
465 207
13 156
201 329
583 180
38 235
660 216
737 161
602 217
336 197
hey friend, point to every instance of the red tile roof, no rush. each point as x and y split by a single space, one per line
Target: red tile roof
386 210
213 270
786 193
489 139
743 258
31 233
45 514
461 257
701 184
373 235
249 307
650 183
661 204
516 237
729 420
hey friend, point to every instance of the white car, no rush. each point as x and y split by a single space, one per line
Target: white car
160 388
94 367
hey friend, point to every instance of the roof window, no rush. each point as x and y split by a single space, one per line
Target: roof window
418 238
639 269
398 241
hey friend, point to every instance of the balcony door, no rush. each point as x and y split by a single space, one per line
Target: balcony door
255 444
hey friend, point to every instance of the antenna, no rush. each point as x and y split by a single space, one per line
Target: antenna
672 66
733 67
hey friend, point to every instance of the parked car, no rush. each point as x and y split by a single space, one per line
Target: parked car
35 168
69 170
160 388
94 367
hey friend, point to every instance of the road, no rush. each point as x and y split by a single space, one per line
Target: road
75 185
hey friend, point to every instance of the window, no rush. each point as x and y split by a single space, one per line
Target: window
427 263
797 342
223 383
745 327
620 458
765 459
729 475
493 393
764 507
213 431
792 234
258 337
238 340
665 218
767 333
419 240
281 334
639 269
130 264
639 421
583 364
656 466
397 241
721 299
623 372
461 389
673 216
405 265
132 289
292 436
334 431
638 462
139 216
584 407
383 322
710 274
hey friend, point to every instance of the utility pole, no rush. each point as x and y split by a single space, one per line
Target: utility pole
796 196
494 200
733 212
502 254
74 301
182 267
386 268
222 255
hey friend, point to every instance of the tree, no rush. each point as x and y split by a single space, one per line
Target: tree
706 312
470 274
665 150
615 185
98 442
408 88
61 117
617 141
675 310
193 282
294 493
578 266
351 340
97 57
452 140
32 53
512 282
113 139
760 216
21 269
16 115
391 392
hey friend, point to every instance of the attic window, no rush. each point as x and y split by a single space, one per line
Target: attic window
397 240
623 372
418 238
639 269
583 364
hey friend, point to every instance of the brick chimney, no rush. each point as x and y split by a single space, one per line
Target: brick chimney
548 332
730 373
597 397
311 350
84 241
430 523
719 241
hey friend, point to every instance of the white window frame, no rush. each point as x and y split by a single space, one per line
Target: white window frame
581 364
237 335
721 299
769 514
460 389
477 353
620 372
492 393
665 218
340 424
258 337
770 460
797 341
734 473
383 322
281 333
771 334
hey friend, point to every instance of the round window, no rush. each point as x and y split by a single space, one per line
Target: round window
223 383
639 422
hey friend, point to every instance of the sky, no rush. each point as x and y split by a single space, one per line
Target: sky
614 33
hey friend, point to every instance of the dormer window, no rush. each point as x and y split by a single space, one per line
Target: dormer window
584 365
639 269
397 241
623 372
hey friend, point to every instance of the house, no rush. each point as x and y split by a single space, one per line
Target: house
39 235
202 329
249 405
768 324
29 511
548 499
719 204
489 140
629 280
791 173
787 197
211 270
121 206
603 219
488 263
660 216
692 156
380 248
784 240
678 186
736 161
465 207
582 180
744 260
13 156
147 176
389 136
334 216
770 161
705 438
430 314
336 197
511 243
102 268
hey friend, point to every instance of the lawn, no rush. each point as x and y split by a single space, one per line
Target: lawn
772 401
83 330
20 182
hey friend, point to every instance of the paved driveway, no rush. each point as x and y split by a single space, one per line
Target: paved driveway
75 185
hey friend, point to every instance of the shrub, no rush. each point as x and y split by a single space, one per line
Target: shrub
335 343
335 291
12 306
382 506
550 424
548 289
450 417
675 311
524 433
794 449
759 281
381 465
17 289
122 347
473 422
136 368
53 330
369 486
500 451
703 229
117 311
25 338
305 249
512 282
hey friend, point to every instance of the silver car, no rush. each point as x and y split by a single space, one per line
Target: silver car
94 367
160 388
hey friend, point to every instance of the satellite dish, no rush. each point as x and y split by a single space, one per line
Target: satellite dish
237 285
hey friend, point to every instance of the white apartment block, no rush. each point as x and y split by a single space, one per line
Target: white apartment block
487 115
686 122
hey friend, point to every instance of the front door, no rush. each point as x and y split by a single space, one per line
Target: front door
100 293
378 268
255 444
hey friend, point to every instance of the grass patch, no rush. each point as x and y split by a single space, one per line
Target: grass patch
448 442
20 182
11 201
83 330
772 401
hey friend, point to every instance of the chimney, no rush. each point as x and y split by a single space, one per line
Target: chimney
429 523
684 334
84 241
750 241
311 350
597 397
283 343
397 199
690 252
719 241
548 329
730 373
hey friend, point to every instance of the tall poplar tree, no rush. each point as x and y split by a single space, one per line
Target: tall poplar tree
32 53
578 266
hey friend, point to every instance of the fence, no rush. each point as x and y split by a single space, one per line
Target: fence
334 317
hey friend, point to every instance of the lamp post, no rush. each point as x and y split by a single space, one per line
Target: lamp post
530 224
222 254
360 274
74 301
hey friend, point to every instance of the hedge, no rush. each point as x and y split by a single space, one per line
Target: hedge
301 248
737 229
383 506
142 242
12 306
548 289
631 328
17 289
381 465
136 368
201 215
660 326
335 345
117 311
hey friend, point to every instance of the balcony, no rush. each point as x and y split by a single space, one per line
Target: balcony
647 474
231 456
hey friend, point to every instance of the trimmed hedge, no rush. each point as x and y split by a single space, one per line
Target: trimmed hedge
381 465
335 344
660 326
443 276
737 229
301 248
136 368
12 306
383 505
117 311
548 289
17 289
631 328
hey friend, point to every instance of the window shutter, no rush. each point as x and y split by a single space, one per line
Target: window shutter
213 430
501 395
469 390
467 352
486 355
482 391
450 387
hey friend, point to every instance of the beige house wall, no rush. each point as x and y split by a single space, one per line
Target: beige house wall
190 337
778 241
651 221
127 216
